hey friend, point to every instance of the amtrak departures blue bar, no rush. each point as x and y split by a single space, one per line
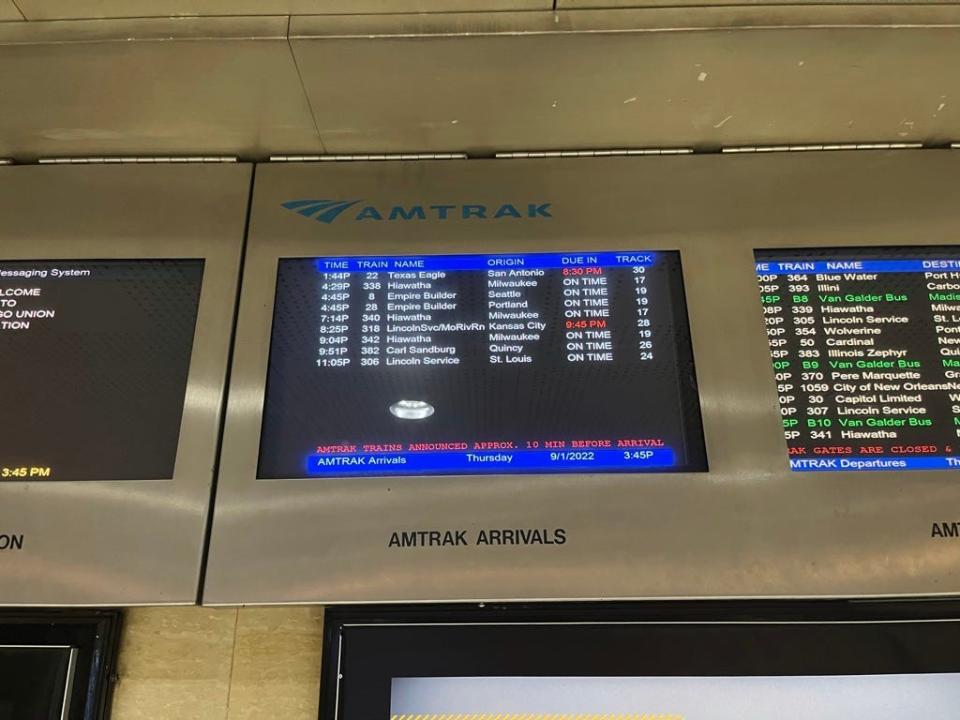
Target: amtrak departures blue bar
828 464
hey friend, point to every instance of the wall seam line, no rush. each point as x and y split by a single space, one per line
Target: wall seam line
19 9
303 88
233 660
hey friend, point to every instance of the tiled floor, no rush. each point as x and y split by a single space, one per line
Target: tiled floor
210 663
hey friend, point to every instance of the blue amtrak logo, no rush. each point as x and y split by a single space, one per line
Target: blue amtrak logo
326 211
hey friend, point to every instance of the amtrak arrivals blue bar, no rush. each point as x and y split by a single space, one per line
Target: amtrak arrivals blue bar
793 267
853 464
539 261
506 461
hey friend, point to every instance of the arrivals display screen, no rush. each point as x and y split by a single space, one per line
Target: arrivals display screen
459 364
865 346
94 357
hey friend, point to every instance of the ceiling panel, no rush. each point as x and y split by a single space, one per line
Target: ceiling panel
480 82
8 11
707 77
199 86
74 9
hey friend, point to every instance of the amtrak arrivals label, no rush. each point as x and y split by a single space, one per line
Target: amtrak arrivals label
949 530
478 538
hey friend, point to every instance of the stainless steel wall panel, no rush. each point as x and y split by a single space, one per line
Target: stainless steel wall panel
632 78
200 86
480 82
73 9
9 11
748 528
126 542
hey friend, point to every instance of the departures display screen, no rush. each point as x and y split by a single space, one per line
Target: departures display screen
462 364
865 346
94 357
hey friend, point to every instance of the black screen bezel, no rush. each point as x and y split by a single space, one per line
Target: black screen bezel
694 438
94 634
841 253
366 647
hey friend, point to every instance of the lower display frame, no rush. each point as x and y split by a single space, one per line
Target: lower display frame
366 648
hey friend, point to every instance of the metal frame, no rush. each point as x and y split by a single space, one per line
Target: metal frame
559 617
127 542
93 637
748 528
